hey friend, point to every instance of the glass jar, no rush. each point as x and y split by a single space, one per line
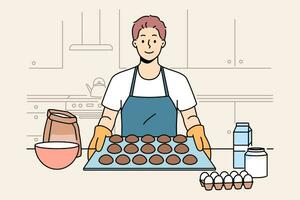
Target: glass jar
256 162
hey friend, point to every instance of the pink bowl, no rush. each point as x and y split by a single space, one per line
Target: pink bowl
56 155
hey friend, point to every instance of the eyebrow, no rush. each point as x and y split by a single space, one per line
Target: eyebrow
154 35
143 35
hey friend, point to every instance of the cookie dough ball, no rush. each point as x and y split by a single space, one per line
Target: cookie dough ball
131 148
122 159
179 139
190 159
106 159
164 149
156 159
114 148
131 139
115 139
148 148
173 159
164 139
139 159
181 149
148 139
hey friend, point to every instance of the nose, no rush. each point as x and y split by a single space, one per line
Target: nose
149 44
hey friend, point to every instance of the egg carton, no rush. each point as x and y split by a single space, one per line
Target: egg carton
226 180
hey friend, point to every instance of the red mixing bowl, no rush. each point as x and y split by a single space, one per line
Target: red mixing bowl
56 155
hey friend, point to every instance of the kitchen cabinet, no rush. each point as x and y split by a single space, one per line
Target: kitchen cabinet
36 118
210 41
37 111
252 42
227 43
83 107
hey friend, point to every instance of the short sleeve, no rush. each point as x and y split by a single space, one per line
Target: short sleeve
112 97
185 95
180 90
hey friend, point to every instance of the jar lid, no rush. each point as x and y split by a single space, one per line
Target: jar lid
256 149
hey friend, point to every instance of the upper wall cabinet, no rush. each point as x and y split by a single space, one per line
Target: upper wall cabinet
210 42
253 41
216 42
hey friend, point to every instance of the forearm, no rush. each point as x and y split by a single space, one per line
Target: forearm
107 122
192 121
108 118
190 118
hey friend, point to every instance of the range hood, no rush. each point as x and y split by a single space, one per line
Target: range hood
91 47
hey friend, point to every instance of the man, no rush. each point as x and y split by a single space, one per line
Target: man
149 95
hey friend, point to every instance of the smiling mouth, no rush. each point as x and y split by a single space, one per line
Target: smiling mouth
149 52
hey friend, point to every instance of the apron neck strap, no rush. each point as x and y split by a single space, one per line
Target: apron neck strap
163 77
164 81
133 81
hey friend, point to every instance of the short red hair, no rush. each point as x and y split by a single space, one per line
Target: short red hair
149 22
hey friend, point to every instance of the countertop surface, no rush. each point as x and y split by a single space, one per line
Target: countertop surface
133 184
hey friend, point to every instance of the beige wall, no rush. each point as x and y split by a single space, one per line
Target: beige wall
267 36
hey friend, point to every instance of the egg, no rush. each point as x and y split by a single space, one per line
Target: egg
214 174
223 174
243 173
218 179
208 179
203 176
233 174
228 182
248 178
248 181
208 183
238 179
228 179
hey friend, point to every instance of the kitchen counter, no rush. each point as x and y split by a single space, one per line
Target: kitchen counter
73 182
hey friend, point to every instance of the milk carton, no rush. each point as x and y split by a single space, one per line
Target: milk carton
242 139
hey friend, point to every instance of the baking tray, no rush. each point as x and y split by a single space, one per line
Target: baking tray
203 163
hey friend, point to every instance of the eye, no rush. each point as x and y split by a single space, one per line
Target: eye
143 41
154 41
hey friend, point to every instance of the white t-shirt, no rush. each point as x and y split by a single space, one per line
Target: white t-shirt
179 89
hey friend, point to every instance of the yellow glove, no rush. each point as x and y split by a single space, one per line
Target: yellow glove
197 132
98 139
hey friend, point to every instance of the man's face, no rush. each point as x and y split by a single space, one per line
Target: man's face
148 43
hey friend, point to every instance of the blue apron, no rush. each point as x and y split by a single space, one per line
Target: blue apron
149 115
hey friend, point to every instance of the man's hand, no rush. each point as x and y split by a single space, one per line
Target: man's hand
100 133
197 132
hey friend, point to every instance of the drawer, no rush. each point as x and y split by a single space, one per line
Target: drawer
32 139
44 106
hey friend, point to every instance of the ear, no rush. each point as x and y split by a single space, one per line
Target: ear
134 43
163 44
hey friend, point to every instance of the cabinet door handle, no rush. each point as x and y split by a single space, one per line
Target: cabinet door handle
228 61
241 61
